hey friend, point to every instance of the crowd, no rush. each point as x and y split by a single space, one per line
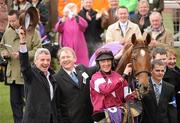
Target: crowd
77 93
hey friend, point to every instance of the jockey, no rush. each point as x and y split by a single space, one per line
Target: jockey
108 89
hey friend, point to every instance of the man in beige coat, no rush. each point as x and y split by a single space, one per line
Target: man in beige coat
123 29
9 50
159 34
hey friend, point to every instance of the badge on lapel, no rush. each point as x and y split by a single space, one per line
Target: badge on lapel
85 76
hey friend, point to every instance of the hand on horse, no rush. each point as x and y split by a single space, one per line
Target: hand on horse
128 69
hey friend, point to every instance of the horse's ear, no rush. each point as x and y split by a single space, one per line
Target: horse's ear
133 38
148 39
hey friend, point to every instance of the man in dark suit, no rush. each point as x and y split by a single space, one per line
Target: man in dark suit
74 104
158 103
40 86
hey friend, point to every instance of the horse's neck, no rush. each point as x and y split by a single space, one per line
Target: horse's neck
125 59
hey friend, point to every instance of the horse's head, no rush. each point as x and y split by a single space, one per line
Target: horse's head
139 55
141 62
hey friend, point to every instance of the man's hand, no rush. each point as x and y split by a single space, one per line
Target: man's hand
128 69
88 16
63 19
153 43
98 15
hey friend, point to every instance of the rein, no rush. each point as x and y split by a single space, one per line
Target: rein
133 60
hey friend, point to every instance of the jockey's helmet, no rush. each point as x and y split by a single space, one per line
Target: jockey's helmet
103 54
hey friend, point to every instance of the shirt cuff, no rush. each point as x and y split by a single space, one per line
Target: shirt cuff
23 48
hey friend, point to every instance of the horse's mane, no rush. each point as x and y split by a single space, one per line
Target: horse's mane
124 59
126 55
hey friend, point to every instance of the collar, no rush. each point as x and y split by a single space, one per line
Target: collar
155 83
69 71
123 24
48 74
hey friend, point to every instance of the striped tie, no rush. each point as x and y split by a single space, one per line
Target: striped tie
157 93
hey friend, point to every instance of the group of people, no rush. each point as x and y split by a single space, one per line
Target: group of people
81 94
92 28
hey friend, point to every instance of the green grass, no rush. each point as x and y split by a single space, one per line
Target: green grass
5 109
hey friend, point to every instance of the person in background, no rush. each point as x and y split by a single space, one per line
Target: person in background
71 28
23 4
130 4
109 16
97 5
14 77
43 16
156 5
123 29
158 103
171 63
14 5
160 35
43 10
4 17
142 16
160 53
73 88
94 30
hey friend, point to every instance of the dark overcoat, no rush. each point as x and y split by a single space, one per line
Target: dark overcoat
39 107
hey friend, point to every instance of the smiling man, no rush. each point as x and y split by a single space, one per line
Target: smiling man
40 86
123 29
108 88
73 88
158 103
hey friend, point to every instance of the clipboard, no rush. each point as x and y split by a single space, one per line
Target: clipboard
9 48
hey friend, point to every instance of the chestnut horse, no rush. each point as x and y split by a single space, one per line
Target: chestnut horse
139 55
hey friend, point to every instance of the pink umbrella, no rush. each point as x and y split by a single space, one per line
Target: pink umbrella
114 46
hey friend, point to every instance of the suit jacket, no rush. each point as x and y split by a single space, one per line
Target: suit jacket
74 103
173 77
162 112
177 88
39 107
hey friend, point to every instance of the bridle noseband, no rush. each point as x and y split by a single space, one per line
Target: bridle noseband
134 73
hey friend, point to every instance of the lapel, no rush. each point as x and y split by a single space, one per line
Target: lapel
79 76
67 78
54 83
44 81
162 93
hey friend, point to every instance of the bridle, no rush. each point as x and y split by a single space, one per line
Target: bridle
134 81
133 60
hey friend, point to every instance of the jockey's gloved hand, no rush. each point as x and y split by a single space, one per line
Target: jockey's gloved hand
128 69
132 96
